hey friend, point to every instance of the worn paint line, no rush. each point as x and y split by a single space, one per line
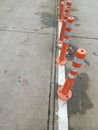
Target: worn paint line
62 105
62 114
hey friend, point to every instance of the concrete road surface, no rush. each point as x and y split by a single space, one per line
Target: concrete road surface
26 42
83 107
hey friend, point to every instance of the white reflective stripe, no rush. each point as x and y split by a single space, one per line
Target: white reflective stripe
62 2
69 25
77 60
66 40
72 76
68 33
67 14
75 69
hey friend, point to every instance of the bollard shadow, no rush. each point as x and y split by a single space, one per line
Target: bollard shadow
80 101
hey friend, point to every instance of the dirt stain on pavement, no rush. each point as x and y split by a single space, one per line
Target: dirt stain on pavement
76 18
74 9
49 20
5 72
95 53
71 128
80 101
77 24
87 62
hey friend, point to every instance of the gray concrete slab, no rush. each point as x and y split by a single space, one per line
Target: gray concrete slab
86 18
24 81
26 42
82 108
27 16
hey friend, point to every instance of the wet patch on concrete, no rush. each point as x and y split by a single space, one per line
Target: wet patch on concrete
5 72
80 101
70 57
95 53
70 128
49 20
76 18
87 62
73 9
77 24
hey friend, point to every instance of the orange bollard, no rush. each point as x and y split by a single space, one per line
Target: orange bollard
69 4
61 59
63 28
67 9
64 92
66 13
65 16
60 3
61 11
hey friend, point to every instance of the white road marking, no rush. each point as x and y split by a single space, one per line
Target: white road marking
62 105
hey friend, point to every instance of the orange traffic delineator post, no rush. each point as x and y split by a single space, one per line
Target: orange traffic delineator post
67 9
66 13
61 11
60 3
62 59
63 28
65 16
64 92
69 4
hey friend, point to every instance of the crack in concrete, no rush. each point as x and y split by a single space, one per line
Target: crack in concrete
27 32
82 37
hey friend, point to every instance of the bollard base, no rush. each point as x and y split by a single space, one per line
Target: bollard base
61 62
60 20
62 96
59 41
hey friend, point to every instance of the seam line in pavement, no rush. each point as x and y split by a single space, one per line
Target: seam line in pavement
27 32
51 106
95 38
50 87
